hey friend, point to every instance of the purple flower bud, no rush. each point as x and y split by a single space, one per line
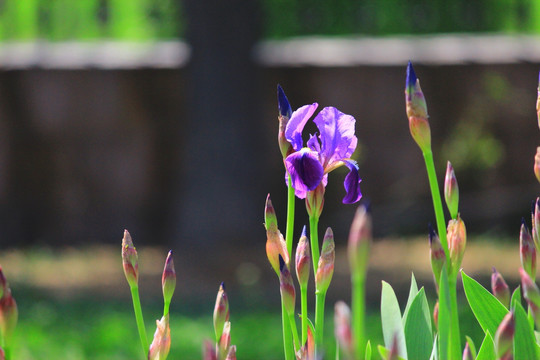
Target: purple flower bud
168 279
527 250
531 293
457 239
130 260
285 113
221 311
360 238
451 191
303 259
159 349
342 329
286 287
499 288
325 269
417 110
437 256
275 244
504 337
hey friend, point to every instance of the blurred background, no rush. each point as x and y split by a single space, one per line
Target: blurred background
160 117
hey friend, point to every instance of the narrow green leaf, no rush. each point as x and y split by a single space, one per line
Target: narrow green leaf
471 346
392 325
434 351
418 334
384 352
444 316
412 293
525 346
368 350
487 309
516 296
487 349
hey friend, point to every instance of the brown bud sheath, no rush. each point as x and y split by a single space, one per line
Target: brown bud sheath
499 288
159 349
457 239
130 260
325 271
303 259
275 244
527 251
286 287
221 311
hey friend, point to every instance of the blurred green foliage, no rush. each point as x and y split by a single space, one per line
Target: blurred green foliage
59 20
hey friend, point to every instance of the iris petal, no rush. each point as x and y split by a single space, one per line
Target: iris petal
295 126
337 135
306 171
352 183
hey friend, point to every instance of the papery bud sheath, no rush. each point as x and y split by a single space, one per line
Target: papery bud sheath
286 287
417 111
457 240
527 251
504 338
499 288
303 260
275 244
221 311
325 271
130 260
159 349
451 191
168 278
531 293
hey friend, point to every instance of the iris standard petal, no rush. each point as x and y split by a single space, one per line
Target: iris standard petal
305 169
352 183
295 126
337 135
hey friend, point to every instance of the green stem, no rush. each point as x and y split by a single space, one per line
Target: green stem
437 203
287 343
455 336
292 322
303 304
314 240
358 312
166 306
290 217
139 318
319 321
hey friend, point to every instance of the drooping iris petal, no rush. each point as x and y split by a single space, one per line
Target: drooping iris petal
306 171
352 183
295 126
337 135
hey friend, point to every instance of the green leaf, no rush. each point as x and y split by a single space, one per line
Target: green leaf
368 350
384 352
444 315
516 296
487 349
418 334
392 325
434 351
487 309
525 346
471 346
412 293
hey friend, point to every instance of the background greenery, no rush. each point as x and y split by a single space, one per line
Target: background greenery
163 19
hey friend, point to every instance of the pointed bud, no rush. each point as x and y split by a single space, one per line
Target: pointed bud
310 344
224 341
221 311
159 349
168 279
3 283
9 315
360 238
231 355
531 293
457 239
436 315
436 251
451 191
538 102
537 163
536 223
417 110
209 351
285 113
499 288
467 354
130 260
315 201
326 262
504 337
286 287
342 329
527 250
303 259
275 244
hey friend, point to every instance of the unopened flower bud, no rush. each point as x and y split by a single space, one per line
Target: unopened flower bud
209 351
315 201
275 244
303 259
467 353
224 341
130 260
168 279
499 288
436 315
286 287
159 349
451 191
9 315
537 163
504 337
536 223
437 256
538 102
231 355
457 239
531 293
221 311
342 329
417 110
360 238
285 112
325 269
527 250
3 283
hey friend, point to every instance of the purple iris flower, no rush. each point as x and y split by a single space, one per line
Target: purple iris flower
332 148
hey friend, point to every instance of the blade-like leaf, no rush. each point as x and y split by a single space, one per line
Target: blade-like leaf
444 316
516 296
471 346
487 349
487 309
434 351
392 325
525 346
418 334
412 293
368 350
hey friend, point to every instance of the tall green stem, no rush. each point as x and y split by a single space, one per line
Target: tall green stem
358 312
294 331
320 298
139 318
287 339
303 304
289 231
455 336
314 240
